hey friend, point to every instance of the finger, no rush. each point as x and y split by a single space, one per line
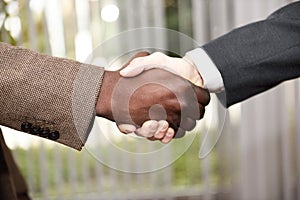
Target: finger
169 131
132 71
179 133
190 109
201 110
202 95
188 124
138 65
126 128
174 121
197 114
162 129
156 60
137 55
148 128
168 137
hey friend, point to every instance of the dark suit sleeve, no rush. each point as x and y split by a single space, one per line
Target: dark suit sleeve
256 57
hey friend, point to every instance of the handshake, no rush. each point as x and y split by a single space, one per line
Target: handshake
155 96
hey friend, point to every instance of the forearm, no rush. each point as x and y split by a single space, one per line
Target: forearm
49 92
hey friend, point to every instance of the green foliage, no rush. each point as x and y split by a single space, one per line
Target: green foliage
187 171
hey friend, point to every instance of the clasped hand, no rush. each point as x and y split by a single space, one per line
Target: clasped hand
149 98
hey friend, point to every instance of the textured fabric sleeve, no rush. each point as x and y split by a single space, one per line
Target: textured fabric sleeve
50 96
256 57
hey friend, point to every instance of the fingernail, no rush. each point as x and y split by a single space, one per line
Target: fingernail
153 125
127 128
165 126
131 128
169 133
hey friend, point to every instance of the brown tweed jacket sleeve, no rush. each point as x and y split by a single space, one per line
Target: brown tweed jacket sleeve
47 96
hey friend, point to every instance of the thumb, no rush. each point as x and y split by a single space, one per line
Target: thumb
131 71
137 55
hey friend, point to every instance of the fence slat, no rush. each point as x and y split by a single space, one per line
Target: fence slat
297 120
266 158
286 145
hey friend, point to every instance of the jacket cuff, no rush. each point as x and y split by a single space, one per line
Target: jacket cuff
86 88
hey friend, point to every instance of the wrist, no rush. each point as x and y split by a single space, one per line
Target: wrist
195 76
103 105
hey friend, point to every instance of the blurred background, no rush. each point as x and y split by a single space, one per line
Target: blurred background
257 155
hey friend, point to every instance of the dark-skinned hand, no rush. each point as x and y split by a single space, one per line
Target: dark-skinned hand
156 95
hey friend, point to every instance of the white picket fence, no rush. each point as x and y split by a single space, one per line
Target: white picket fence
257 155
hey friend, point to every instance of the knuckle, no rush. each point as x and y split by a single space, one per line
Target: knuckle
158 54
160 57
136 61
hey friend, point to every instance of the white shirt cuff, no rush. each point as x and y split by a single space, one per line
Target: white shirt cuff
212 79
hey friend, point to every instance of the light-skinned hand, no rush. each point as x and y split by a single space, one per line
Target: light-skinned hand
180 66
